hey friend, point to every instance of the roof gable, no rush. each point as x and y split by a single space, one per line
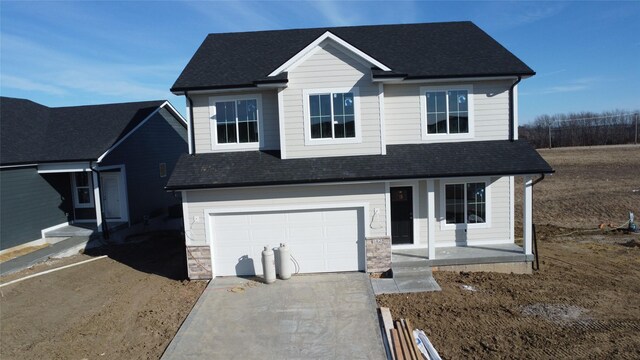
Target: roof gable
33 133
416 51
325 38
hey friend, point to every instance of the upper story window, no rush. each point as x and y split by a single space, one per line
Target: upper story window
82 189
235 121
331 116
447 111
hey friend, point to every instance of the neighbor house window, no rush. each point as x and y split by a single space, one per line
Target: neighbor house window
235 121
447 111
332 115
466 203
82 189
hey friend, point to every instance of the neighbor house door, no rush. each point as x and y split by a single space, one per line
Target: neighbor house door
111 192
401 215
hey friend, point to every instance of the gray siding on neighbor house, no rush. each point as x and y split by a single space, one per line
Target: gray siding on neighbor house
160 140
30 202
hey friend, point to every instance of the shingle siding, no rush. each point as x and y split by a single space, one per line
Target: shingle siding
31 202
160 140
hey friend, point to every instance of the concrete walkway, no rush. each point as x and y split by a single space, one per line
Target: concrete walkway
404 285
62 248
324 316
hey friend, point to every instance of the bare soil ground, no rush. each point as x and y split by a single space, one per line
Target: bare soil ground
584 303
126 306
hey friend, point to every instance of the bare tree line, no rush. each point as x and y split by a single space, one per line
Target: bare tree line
582 129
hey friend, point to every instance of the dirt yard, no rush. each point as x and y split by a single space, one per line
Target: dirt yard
126 306
584 303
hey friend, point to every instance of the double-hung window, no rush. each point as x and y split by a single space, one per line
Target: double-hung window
82 189
331 116
235 121
447 111
465 203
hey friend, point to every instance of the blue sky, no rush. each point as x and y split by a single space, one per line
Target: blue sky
586 54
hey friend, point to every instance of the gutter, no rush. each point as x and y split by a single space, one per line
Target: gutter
345 180
538 179
192 140
511 111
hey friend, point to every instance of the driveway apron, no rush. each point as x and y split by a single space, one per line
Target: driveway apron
323 316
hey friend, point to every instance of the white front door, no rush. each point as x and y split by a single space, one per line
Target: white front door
110 190
325 240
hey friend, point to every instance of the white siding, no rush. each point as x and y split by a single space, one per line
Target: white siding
330 68
372 194
202 122
402 112
499 227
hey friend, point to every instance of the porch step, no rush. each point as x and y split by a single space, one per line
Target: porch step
411 269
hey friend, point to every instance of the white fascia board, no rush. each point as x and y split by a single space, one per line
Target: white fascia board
129 133
17 166
64 167
327 35
175 112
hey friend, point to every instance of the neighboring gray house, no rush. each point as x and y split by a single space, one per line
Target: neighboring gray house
84 165
359 147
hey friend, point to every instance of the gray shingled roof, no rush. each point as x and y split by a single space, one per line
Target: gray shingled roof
414 161
33 133
432 50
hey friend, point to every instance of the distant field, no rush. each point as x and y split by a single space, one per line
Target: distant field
592 185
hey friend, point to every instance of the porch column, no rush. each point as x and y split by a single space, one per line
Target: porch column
97 200
431 216
527 211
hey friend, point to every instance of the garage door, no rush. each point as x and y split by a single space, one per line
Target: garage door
324 240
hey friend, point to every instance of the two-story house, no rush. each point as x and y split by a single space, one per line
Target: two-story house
351 144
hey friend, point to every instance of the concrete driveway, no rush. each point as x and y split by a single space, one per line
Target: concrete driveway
327 316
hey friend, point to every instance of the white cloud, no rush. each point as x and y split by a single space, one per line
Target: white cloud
39 68
572 86
337 13
14 82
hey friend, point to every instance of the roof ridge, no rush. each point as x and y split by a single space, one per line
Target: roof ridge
328 28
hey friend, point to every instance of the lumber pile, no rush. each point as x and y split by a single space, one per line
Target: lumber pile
403 342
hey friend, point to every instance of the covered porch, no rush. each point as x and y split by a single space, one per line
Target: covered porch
462 255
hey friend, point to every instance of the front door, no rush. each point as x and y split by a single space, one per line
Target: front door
110 189
401 215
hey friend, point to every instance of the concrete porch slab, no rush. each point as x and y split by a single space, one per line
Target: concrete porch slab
463 255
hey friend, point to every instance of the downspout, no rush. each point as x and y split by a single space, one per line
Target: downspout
192 142
511 110
535 237
105 228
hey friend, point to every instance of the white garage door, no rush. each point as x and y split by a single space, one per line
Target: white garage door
324 240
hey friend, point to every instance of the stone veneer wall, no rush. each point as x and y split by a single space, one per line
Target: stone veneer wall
199 262
378 251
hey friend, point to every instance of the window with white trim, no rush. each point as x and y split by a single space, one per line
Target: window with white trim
331 116
447 111
465 203
82 189
235 121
